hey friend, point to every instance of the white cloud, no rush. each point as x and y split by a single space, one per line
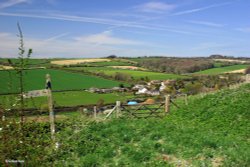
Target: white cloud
200 9
206 23
106 38
155 7
66 18
57 37
10 3
78 47
115 23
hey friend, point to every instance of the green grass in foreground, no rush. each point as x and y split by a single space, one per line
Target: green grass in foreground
61 80
220 70
134 73
210 131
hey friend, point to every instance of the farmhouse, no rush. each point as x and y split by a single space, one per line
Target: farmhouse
148 92
142 91
137 87
93 90
162 87
153 93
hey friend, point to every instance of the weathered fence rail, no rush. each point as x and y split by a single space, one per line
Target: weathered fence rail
142 110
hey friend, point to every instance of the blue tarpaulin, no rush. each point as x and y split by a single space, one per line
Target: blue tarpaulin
132 103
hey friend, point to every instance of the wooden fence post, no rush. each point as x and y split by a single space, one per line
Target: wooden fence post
95 110
118 108
167 104
50 105
186 99
247 78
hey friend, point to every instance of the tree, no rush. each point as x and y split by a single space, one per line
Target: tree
193 88
247 70
20 67
112 56
122 76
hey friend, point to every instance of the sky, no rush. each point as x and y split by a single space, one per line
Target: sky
131 28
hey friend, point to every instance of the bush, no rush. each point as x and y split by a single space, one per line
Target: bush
248 70
193 88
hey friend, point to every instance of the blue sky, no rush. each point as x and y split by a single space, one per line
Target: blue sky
98 28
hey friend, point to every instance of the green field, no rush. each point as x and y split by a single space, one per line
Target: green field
61 80
67 99
210 131
30 62
134 73
220 70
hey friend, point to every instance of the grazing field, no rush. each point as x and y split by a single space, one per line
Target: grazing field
220 70
66 99
134 73
31 62
231 60
210 131
61 80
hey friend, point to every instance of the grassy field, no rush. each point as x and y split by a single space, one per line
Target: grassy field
61 80
134 73
66 99
211 131
31 62
220 70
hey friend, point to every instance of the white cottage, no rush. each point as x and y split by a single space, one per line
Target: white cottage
162 87
142 91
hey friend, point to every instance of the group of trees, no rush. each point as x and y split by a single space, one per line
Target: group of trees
177 65
201 84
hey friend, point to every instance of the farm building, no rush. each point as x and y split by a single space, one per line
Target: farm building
137 87
154 93
162 87
142 91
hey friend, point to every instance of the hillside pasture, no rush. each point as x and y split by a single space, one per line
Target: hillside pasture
61 80
30 62
210 131
67 99
220 70
231 60
137 74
